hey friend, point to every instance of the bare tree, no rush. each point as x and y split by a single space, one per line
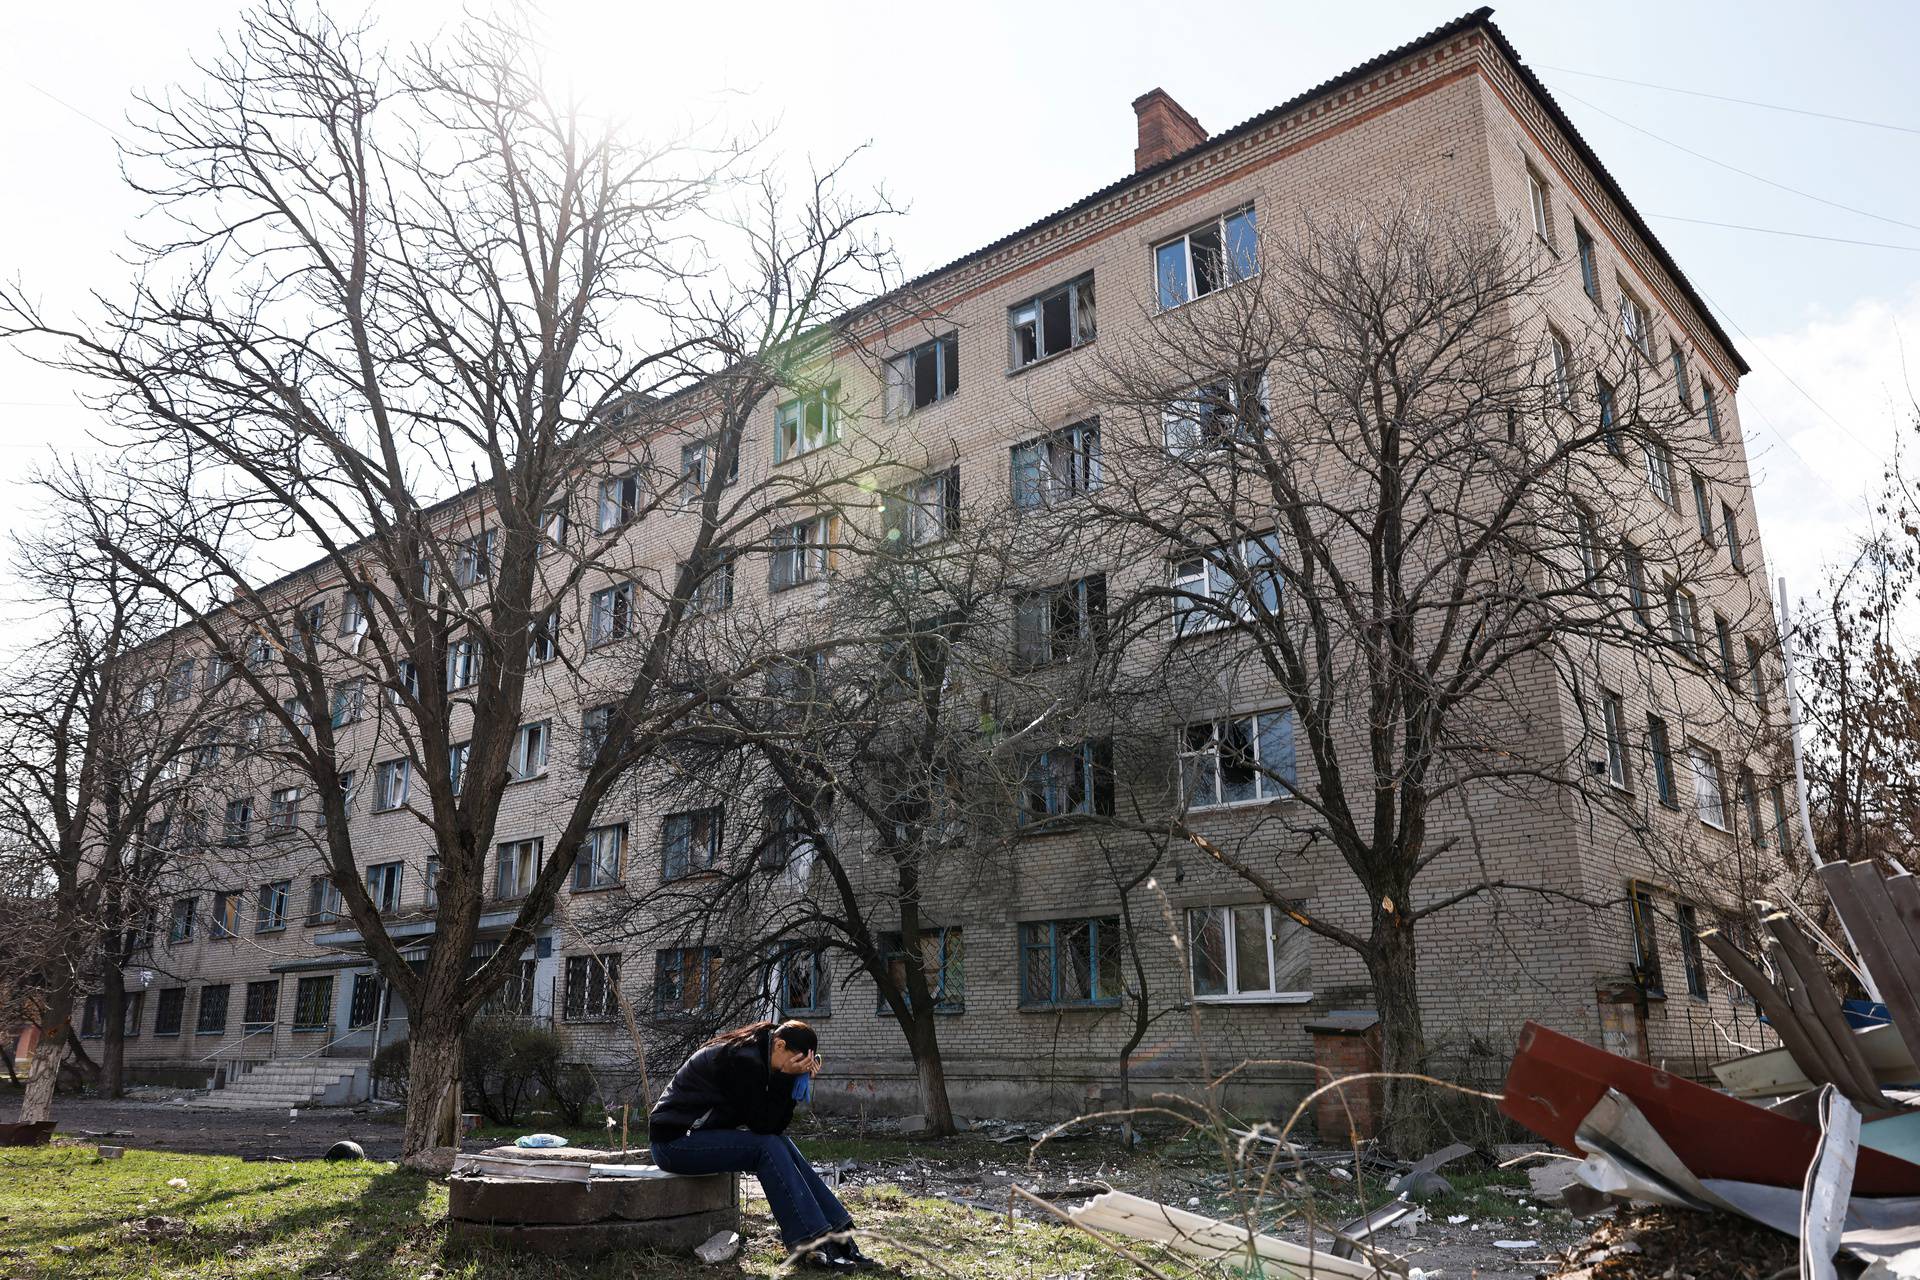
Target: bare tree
392 325
1383 491
96 724
1860 687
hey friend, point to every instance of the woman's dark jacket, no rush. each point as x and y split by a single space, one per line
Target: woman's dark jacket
724 1086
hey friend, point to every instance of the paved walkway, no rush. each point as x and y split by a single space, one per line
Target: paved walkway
169 1126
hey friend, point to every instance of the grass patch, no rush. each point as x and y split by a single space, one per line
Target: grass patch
65 1214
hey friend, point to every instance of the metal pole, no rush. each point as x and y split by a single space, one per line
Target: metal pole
1859 966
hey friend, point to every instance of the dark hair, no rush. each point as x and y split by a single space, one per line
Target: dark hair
793 1033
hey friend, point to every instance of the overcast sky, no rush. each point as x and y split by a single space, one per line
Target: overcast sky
982 117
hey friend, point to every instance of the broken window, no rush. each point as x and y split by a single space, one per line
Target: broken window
610 614
1237 760
1589 262
1646 941
806 423
1635 324
390 784
920 377
1053 322
686 980
1060 622
1688 918
803 551
383 886
619 501
1614 718
1216 414
1059 465
690 842
1067 780
528 759
1211 588
1070 962
1731 523
516 867
1209 257
597 866
1660 748
1250 952
942 960
473 561
923 512
800 983
1659 470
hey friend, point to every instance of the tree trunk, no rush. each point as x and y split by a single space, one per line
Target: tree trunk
433 1076
925 1044
113 1033
1408 1121
44 1072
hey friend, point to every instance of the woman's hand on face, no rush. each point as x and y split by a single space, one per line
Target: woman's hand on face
809 1064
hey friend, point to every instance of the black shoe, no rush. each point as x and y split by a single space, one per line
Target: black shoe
822 1258
849 1250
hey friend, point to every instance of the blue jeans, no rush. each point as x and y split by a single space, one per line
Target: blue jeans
803 1204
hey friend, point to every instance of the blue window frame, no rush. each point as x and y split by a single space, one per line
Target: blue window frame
801 986
943 955
1070 963
1068 780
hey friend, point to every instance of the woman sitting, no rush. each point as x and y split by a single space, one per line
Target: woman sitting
727 1111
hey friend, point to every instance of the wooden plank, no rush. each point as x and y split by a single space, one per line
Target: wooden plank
1773 1073
1810 991
1893 970
1903 892
1204 1237
1786 1022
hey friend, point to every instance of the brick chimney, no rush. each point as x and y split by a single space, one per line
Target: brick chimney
1166 129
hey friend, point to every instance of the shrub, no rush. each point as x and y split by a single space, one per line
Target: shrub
502 1058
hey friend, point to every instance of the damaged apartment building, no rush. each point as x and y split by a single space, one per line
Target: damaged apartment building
254 962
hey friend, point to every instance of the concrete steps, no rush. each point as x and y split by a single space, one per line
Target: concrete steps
292 1082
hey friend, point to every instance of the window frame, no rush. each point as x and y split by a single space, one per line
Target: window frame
1666 785
392 779
714 818
791 428
610 613
1263 775
902 376
591 870
1036 482
1613 719
1272 993
520 763
1229 270
1053 943
1093 774
385 884
525 857
1198 581
1081 322
1709 786
1041 647
804 551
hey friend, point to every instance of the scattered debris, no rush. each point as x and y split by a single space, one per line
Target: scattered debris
110 1153
1516 1244
178 1184
721 1246
156 1227
1117 1213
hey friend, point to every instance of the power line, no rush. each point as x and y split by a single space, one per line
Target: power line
1794 383
1745 173
1798 235
1721 97
77 111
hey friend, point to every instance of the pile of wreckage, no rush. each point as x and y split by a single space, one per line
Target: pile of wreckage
1819 1138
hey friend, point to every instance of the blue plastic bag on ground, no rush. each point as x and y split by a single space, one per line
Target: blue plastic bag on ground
539 1140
